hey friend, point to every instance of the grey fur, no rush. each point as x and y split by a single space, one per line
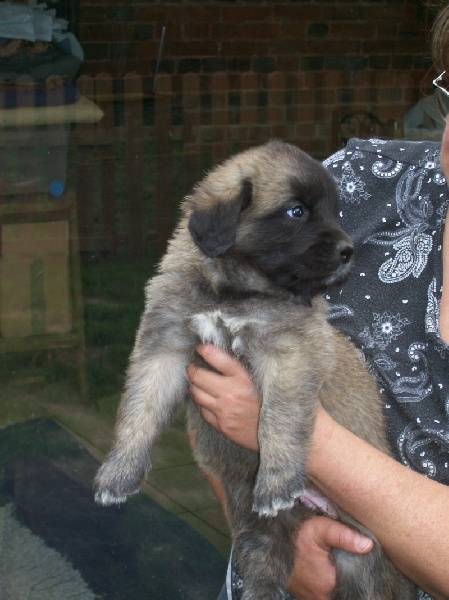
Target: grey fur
258 241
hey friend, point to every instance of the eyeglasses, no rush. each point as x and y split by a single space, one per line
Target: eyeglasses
442 94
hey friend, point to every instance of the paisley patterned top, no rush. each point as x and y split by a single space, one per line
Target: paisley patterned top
393 204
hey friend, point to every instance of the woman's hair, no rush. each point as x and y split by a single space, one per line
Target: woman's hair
440 40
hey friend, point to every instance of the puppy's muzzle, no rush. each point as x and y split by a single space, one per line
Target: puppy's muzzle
343 263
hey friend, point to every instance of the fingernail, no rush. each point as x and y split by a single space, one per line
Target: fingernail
363 543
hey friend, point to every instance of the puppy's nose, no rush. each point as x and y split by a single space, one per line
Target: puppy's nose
346 251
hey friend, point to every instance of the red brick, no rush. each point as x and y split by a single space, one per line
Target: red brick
93 14
276 98
207 14
271 115
307 130
294 29
164 83
173 31
316 47
287 63
220 151
365 95
352 30
193 31
325 96
219 83
412 95
234 132
241 14
155 14
387 30
249 115
300 13
219 105
390 95
336 79
191 83
212 134
220 117
389 12
93 33
92 67
247 31
173 49
250 99
244 48
250 81
299 114
384 80
344 13
259 133
277 81
390 46
365 78
283 132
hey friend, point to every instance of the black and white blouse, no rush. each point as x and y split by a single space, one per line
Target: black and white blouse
393 205
394 199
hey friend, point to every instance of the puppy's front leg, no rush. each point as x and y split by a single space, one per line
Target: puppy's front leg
155 387
289 404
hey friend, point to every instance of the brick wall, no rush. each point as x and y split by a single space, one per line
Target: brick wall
349 54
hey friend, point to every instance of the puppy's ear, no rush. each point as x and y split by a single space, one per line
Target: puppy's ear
214 228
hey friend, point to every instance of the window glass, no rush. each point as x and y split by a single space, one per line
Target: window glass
110 112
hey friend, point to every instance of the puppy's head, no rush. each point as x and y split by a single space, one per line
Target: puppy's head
275 208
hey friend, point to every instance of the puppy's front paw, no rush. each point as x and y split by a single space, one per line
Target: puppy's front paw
114 484
269 498
107 498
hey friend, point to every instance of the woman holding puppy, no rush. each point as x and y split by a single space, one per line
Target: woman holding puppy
396 309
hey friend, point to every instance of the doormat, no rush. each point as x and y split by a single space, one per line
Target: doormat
56 543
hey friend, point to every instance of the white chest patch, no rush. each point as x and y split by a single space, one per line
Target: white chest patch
223 330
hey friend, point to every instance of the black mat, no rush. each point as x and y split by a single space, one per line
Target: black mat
133 552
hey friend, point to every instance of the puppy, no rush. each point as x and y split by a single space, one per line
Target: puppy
258 242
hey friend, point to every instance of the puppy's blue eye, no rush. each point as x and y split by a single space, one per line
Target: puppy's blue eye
296 212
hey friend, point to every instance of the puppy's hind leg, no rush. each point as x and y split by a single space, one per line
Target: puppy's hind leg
265 558
155 388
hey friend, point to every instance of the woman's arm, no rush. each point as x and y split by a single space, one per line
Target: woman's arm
408 512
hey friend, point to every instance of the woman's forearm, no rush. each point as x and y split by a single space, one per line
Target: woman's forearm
408 513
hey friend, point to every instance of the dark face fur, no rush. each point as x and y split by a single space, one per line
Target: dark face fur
293 237
300 245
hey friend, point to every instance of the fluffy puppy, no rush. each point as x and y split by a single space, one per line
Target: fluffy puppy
258 242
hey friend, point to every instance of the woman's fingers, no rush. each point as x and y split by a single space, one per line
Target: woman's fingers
341 536
314 576
227 399
207 381
223 362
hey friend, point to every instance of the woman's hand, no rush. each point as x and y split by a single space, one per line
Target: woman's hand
314 576
227 400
